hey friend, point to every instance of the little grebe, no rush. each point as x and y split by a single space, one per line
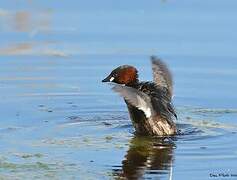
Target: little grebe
149 103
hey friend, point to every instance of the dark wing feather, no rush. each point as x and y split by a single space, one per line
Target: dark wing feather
161 74
163 106
160 99
136 98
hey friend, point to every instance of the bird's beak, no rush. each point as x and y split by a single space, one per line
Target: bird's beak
108 79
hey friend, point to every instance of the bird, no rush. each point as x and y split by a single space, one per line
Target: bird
149 103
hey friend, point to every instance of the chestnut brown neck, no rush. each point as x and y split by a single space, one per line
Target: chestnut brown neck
133 83
128 76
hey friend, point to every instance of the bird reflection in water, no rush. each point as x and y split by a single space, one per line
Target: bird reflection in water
146 156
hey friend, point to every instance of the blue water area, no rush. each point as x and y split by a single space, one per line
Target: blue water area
58 121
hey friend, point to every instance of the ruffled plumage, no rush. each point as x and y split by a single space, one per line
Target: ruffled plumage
149 103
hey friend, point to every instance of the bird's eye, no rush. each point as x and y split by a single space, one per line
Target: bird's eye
111 79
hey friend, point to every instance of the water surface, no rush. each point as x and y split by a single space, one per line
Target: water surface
58 121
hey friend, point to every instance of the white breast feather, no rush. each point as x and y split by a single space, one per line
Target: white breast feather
137 98
144 107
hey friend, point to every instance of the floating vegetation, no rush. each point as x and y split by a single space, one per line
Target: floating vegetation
26 156
36 169
214 111
207 111
210 124
31 166
108 138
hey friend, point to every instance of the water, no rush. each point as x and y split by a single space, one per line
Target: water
58 121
